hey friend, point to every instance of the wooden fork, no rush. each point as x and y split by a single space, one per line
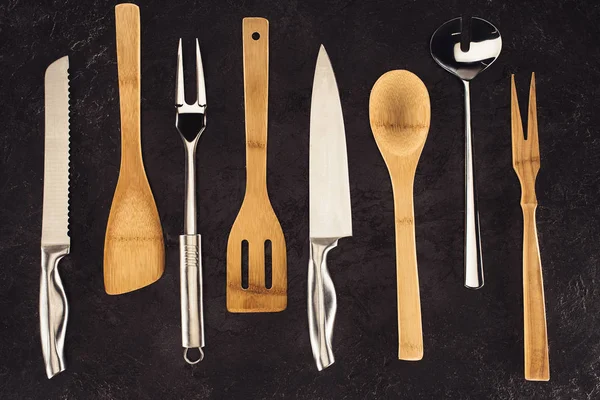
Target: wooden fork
526 162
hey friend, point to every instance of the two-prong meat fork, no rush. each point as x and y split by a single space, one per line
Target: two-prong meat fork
190 121
526 162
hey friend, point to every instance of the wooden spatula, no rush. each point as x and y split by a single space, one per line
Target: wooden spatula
256 222
134 253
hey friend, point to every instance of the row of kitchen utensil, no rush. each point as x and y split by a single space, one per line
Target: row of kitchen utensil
399 111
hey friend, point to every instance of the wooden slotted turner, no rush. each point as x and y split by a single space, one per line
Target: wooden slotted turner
134 251
256 222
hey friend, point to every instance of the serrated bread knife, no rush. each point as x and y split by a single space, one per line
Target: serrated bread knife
55 234
330 212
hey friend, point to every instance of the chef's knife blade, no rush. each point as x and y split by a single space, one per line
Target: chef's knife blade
330 212
55 236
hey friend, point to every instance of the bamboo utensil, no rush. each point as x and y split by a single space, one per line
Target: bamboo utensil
256 222
399 111
526 163
133 248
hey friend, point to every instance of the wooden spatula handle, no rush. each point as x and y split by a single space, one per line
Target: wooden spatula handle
127 18
255 37
537 364
410 332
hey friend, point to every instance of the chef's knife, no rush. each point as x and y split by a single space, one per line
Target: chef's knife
330 213
55 234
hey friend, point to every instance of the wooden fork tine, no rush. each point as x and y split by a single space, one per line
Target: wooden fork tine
532 123
516 122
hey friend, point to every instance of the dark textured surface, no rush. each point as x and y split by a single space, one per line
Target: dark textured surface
128 347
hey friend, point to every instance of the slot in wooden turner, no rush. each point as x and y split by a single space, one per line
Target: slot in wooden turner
256 222
134 254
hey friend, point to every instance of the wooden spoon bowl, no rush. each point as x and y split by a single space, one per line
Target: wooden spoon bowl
400 113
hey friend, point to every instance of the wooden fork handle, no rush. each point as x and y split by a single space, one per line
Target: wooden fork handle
537 366
127 20
255 38
410 331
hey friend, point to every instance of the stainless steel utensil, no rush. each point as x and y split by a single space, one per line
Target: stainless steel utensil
330 211
56 243
484 48
190 120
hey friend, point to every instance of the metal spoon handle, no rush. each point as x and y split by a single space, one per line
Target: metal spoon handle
473 257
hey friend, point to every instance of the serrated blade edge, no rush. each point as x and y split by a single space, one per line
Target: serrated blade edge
55 214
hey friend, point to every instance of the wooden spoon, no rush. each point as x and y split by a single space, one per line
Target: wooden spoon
134 253
399 111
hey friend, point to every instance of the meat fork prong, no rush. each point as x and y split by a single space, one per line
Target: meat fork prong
199 106
179 89
201 87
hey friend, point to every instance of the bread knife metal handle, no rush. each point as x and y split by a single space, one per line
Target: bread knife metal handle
54 310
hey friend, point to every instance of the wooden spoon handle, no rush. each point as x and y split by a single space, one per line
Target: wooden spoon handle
127 18
537 365
410 331
255 37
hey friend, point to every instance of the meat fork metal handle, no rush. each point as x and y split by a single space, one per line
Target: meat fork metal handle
192 316
190 265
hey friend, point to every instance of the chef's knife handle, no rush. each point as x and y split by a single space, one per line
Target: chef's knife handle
192 316
54 310
322 302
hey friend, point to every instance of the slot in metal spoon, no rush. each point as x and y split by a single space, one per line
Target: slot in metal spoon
483 49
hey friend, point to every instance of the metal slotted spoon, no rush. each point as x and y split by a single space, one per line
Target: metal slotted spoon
483 49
